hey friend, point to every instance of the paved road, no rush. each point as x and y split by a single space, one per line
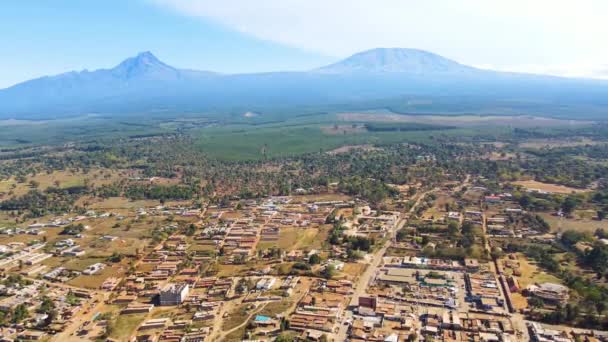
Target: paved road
360 286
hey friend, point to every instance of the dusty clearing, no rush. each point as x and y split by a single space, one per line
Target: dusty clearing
547 187
319 198
349 148
343 129
298 238
531 274
582 225
462 120
61 179
542 143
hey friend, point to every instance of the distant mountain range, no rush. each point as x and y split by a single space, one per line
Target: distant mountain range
378 77
410 61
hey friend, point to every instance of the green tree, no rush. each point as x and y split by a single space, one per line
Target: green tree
314 259
328 271
20 313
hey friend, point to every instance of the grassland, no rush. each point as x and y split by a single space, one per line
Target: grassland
267 141
231 136
276 308
124 326
579 224
236 317
353 270
460 120
532 274
61 179
298 238
550 188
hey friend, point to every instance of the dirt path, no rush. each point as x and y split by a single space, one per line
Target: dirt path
360 287
223 335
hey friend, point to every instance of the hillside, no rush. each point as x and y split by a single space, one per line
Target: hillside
379 77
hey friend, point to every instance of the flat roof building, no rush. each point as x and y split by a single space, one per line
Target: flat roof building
173 294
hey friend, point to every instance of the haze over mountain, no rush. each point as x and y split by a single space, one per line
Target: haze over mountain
383 60
145 84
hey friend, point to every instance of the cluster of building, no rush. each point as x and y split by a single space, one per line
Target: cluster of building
30 295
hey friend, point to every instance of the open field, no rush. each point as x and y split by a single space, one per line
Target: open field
547 187
94 281
236 317
353 269
125 326
581 225
532 274
343 129
349 148
552 143
298 238
462 120
320 198
61 179
268 141
276 308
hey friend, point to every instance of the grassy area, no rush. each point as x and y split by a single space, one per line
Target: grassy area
298 238
552 188
62 179
274 308
579 224
95 281
257 142
230 270
353 270
235 336
124 326
236 317
532 274
87 127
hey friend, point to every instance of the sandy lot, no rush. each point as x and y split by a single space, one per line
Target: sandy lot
552 188
462 120
349 148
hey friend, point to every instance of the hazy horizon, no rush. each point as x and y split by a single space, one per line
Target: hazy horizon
236 36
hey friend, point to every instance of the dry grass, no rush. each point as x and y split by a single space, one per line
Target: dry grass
462 120
353 270
349 148
230 270
579 224
95 281
319 198
500 156
551 143
343 129
236 317
531 274
275 308
291 238
519 301
125 325
298 238
551 188
63 179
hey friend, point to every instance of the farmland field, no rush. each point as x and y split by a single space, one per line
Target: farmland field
546 187
461 120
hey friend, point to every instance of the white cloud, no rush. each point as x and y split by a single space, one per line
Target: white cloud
498 32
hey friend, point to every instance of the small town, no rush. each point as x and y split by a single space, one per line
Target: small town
313 266
304 171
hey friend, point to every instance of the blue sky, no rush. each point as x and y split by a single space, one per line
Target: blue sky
559 37
49 37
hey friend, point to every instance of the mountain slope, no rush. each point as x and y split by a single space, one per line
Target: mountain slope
144 84
393 60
